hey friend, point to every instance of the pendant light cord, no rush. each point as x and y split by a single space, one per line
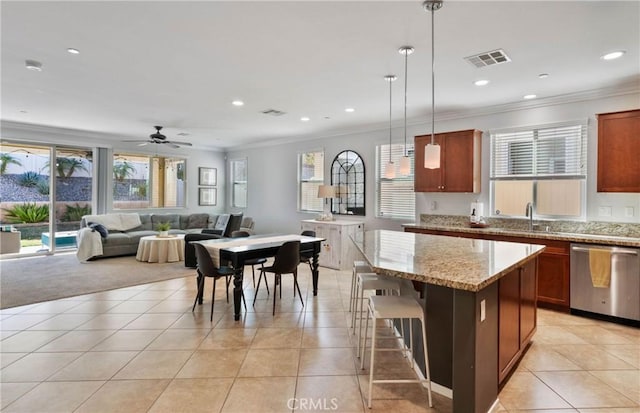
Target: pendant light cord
433 77
390 81
406 56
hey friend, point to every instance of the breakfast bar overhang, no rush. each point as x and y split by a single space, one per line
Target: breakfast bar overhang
480 302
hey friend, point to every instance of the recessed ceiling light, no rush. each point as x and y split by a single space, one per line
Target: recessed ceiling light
304 119
349 110
529 96
73 51
33 65
613 55
543 75
237 103
482 82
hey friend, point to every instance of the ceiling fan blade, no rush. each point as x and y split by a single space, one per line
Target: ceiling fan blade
136 141
172 145
181 143
143 144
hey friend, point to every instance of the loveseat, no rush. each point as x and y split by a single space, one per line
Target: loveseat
123 235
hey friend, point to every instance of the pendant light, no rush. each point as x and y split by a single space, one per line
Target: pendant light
390 170
405 161
432 150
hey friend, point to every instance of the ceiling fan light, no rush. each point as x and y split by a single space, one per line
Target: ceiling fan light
405 166
432 156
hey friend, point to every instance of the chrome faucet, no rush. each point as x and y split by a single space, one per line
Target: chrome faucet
529 213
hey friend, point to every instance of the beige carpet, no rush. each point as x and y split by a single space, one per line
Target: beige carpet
36 279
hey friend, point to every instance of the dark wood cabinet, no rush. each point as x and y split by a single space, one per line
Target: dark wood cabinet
553 276
459 170
619 151
552 271
509 321
517 316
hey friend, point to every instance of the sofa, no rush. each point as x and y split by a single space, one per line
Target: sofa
234 223
123 237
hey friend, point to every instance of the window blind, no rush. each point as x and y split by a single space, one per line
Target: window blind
543 152
395 197
310 177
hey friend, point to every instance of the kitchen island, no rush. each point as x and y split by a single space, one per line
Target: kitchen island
480 303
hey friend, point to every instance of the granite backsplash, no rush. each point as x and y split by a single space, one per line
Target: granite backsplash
591 227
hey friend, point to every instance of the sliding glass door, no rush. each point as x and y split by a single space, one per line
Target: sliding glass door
44 191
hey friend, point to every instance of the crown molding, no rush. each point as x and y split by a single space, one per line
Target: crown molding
629 88
35 132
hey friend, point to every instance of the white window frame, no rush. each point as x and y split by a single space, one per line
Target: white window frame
315 179
577 156
404 193
233 181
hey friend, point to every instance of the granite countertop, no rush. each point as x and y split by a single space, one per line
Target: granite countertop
460 263
559 236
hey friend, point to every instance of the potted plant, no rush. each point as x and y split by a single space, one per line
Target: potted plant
164 228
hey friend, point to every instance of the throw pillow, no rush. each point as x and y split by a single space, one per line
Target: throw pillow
198 221
100 228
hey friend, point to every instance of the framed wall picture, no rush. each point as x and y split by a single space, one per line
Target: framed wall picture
208 196
208 176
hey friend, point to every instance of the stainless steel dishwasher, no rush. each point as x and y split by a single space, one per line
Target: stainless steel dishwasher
622 298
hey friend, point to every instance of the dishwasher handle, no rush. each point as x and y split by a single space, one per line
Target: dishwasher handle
617 251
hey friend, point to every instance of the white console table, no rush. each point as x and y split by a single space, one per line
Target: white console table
337 251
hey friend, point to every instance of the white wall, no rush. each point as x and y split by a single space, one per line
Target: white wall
272 198
195 157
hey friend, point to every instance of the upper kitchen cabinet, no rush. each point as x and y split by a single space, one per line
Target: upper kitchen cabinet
619 151
459 162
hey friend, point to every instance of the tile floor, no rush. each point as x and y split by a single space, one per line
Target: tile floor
141 349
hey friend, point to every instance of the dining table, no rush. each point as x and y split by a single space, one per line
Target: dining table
236 251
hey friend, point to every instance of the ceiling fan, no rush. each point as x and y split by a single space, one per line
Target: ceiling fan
159 138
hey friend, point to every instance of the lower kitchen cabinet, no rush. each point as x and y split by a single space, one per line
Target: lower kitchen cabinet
553 277
337 250
517 315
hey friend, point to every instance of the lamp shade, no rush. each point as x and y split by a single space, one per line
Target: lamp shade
432 156
326 191
390 170
405 166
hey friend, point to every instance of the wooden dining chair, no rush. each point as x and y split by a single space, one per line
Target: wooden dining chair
286 262
207 269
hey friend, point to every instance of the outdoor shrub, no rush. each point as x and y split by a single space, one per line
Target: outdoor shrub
27 213
75 213
43 186
29 179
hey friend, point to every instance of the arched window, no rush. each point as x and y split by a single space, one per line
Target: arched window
348 177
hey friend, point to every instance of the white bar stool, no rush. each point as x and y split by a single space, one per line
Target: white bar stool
358 267
389 307
370 282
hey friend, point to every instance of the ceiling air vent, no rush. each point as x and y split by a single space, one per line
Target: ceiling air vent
273 112
493 57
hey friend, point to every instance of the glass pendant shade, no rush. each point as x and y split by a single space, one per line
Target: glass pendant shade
405 166
390 170
432 156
